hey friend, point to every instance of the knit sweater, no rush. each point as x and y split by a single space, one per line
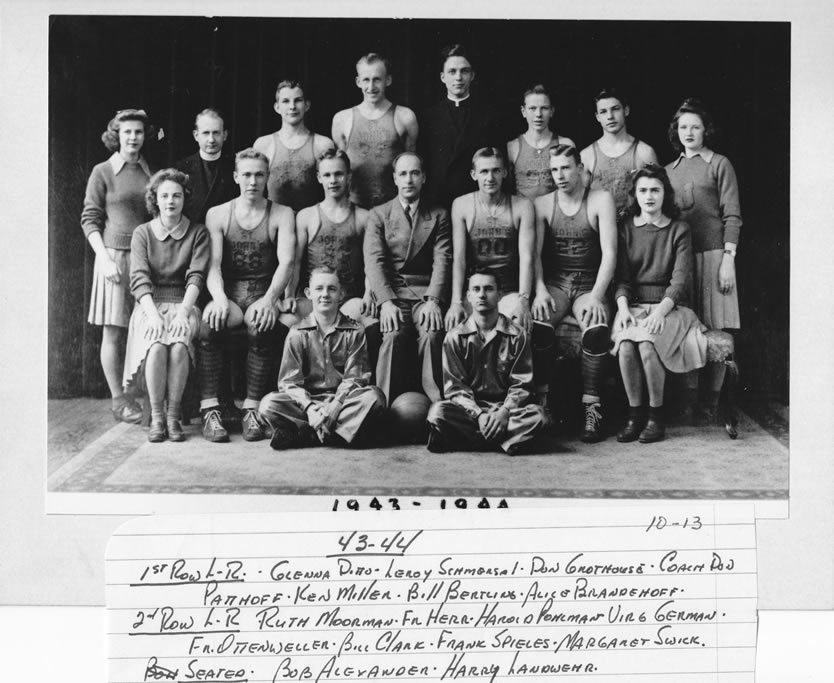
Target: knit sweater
114 203
707 192
654 263
164 268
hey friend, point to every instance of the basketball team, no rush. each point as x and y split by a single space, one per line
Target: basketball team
365 268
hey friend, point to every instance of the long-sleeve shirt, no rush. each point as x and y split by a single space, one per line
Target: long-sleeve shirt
706 190
654 263
497 371
330 363
164 264
114 203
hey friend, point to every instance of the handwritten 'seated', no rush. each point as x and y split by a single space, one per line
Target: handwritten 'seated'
632 594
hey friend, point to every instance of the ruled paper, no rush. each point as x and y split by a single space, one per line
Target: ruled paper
618 594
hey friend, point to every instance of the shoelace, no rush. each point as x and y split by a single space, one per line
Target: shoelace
213 420
251 420
592 417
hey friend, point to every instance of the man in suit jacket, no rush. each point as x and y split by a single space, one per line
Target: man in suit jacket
408 259
210 170
453 129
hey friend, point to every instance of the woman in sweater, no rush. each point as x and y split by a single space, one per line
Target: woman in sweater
114 205
169 257
653 330
706 188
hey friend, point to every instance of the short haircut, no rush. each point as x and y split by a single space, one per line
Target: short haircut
489 153
692 105
537 89
611 94
250 153
454 50
655 172
483 270
213 113
565 151
374 58
160 177
290 83
334 153
324 270
408 154
110 136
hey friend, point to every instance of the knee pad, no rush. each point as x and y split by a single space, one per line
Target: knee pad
267 340
596 339
543 336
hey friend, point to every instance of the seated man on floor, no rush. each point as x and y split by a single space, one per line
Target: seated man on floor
488 380
323 393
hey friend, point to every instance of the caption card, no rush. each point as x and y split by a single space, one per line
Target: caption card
615 594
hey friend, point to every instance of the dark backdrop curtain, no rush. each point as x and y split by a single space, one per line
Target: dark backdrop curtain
173 67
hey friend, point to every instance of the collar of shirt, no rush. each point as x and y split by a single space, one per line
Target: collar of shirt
705 153
457 103
342 323
504 326
117 163
414 207
177 233
639 221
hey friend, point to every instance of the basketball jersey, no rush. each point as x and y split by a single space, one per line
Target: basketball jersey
614 173
492 243
532 169
570 243
248 254
292 175
371 148
338 246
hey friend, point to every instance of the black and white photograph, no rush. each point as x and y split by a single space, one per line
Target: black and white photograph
631 360
494 126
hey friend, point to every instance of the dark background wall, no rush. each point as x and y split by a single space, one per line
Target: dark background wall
175 66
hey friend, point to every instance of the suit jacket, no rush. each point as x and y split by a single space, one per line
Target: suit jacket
447 150
205 196
405 264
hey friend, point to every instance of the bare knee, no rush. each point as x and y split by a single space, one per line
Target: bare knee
178 352
627 349
647 351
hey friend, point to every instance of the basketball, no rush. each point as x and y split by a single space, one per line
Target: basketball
408 417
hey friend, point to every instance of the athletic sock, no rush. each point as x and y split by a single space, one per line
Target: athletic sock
209 369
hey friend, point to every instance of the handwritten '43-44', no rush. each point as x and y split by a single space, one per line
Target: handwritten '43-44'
356 543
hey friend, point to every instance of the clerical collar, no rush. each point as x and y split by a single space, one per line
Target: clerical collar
455 102
206 157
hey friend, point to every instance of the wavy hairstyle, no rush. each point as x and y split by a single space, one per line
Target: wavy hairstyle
110 136
160 177
654 172
692 105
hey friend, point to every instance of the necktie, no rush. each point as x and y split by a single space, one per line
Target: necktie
408 216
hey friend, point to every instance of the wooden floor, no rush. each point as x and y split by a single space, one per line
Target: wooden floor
89 452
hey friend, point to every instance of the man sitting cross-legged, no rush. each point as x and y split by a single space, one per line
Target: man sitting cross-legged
323 389
488 379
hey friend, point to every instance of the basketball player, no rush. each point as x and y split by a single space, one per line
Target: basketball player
323 393
292 150
610 160
529 160
576 234
488 378
209 169
495 231
252 252
330 235
374 133
408 257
